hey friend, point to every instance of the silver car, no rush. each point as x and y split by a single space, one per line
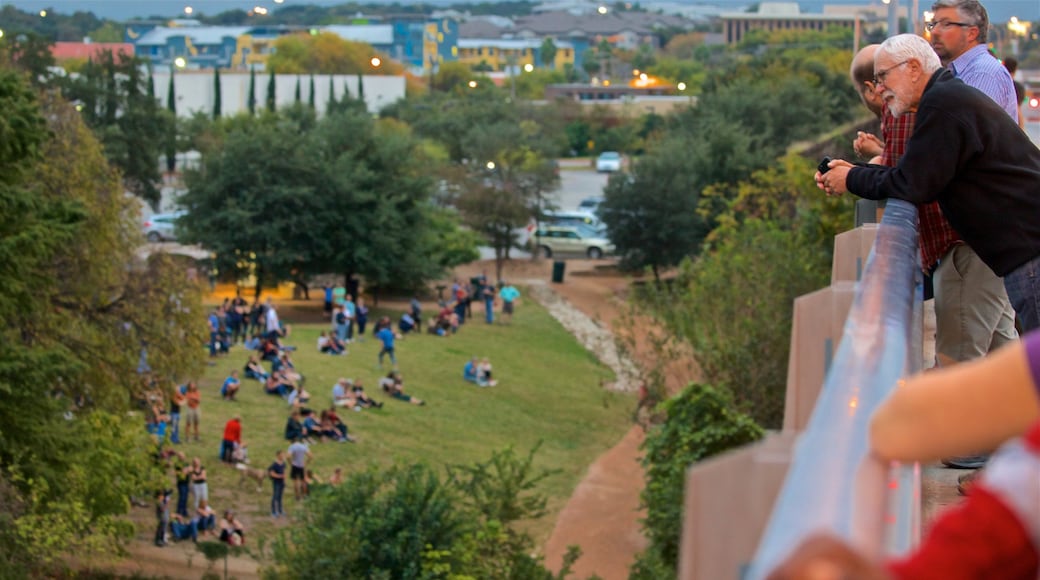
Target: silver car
608 162
584 240
161 227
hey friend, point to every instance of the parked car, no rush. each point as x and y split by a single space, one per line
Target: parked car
160 227
573 218
608 161
583 240
590 204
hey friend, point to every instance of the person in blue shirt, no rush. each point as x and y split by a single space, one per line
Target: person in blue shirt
508 294
469 372
230 386
328 300
386 334
214 329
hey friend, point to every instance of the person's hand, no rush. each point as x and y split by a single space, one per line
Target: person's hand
867 145
825 557
833 182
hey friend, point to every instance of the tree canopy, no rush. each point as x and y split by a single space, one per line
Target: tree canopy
79 309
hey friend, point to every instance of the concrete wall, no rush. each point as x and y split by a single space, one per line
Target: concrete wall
195 91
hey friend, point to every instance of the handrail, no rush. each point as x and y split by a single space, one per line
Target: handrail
834 484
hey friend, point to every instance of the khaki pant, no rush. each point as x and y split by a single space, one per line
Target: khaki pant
972 312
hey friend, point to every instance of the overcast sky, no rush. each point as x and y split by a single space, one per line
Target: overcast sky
1000 10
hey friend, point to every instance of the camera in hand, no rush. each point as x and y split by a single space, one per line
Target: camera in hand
823 166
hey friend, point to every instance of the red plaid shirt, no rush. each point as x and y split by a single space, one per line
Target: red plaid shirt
937 235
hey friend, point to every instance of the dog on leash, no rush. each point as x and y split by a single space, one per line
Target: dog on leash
246 473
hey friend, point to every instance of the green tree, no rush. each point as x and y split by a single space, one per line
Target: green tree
78 307
271 92
383 520
251 98
29 53
331 104
171 138
128 121
217 105
651 212
311 96
264 172
700 422
297 96
547 53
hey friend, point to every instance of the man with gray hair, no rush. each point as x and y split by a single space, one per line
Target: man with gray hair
976 162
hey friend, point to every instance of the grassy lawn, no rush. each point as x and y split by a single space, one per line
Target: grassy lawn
548 389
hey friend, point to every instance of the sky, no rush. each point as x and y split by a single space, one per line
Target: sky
1000 10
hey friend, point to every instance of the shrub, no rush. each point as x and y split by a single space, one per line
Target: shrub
701 422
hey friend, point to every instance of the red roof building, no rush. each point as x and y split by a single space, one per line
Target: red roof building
85 50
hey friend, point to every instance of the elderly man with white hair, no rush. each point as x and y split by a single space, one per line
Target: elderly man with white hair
967 154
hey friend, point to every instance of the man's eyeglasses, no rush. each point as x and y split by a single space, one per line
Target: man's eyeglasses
945 25
879 77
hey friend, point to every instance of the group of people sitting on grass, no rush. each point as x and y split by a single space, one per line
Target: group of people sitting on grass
478 372
327 426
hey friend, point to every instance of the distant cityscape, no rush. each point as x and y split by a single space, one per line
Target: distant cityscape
999 10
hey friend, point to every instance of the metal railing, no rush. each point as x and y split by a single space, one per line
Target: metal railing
834 484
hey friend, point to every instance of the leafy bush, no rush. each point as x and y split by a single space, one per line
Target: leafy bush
406 522
701 422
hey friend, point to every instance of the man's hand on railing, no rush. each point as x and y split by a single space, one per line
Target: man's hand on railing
824 557
833 181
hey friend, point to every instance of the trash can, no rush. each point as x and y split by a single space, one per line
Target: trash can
558 267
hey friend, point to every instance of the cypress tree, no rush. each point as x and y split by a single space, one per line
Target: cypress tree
151 83
251 102
216 93
171 138
298 96
310 98
360 88
270 93
331 105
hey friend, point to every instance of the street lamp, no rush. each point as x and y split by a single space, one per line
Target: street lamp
681 86
188 10
43 14
528 67
473 84
490 165
179 62
375 62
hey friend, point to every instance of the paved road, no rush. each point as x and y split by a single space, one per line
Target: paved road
576 185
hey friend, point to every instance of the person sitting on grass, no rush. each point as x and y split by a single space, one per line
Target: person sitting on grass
335 421
469 372
205 518
329 429
231 530
253 343
269 350
330 344
341 394
362 398
311 424
406 324
484 374
294 427
277 384
255 370
393 385
298 397
183 528
230 387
